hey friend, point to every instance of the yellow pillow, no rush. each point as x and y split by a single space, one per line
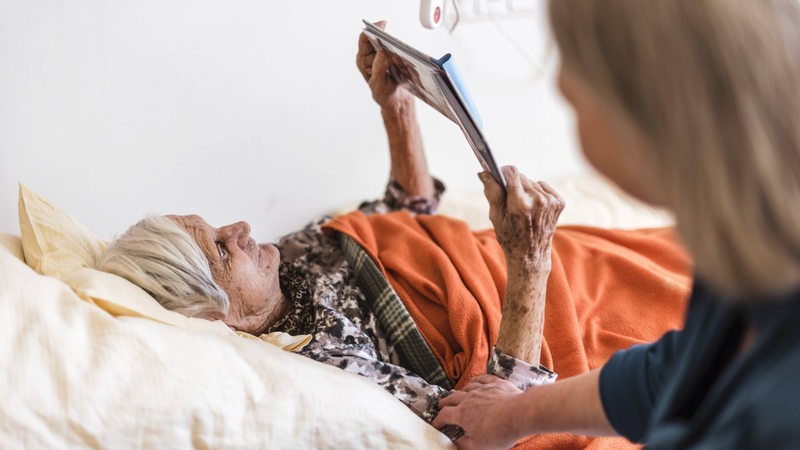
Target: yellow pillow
55 244
13 244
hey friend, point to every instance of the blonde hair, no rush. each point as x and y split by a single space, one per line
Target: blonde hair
159 256
714 86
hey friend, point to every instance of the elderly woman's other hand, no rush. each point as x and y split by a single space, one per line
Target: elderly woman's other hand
374 66
524 217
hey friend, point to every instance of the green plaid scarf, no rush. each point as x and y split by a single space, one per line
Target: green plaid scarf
414 352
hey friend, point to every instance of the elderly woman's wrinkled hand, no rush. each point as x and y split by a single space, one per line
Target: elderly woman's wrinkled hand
374 67
524 217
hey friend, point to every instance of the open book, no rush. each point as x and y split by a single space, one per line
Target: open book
438 83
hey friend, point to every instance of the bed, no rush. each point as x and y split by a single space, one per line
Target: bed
94 362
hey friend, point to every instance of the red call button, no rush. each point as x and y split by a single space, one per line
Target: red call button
437 14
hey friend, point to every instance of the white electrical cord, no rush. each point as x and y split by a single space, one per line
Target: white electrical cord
458 16
537 66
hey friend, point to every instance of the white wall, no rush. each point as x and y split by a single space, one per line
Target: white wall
243 109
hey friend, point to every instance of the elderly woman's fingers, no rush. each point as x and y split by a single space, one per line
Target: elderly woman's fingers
513 181
543 187
491 190
539 197
525 215
365 56
549 189
366 52
500 201
496 197
557 200
549 201
365 47
525 220
521 188
536 189
380 81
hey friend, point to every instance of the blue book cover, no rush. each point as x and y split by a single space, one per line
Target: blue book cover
448 64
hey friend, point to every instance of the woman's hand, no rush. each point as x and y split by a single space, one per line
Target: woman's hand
374 66
482 411
524 217
409 165
494 414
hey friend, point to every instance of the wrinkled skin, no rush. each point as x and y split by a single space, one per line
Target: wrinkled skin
525 219
374 66
247 272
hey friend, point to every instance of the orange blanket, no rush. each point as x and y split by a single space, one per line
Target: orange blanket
608 289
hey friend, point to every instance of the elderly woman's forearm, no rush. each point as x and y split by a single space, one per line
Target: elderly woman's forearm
409 165
522 324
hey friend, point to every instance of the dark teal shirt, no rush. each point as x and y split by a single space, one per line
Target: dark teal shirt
691 389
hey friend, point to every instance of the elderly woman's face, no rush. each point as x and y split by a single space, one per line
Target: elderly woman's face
247 272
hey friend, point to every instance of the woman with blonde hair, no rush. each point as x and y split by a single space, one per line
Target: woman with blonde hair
693 105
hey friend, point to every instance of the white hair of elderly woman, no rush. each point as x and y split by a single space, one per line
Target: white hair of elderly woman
159 256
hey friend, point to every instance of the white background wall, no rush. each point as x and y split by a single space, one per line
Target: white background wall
245 109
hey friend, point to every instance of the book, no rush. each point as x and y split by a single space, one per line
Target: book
438 83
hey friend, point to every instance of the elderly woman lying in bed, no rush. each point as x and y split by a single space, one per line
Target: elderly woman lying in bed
414 301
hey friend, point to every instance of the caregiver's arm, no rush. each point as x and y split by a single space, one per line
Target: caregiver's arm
494 414
524 220
409 165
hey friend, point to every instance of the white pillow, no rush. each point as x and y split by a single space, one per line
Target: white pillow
77 377
98 362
